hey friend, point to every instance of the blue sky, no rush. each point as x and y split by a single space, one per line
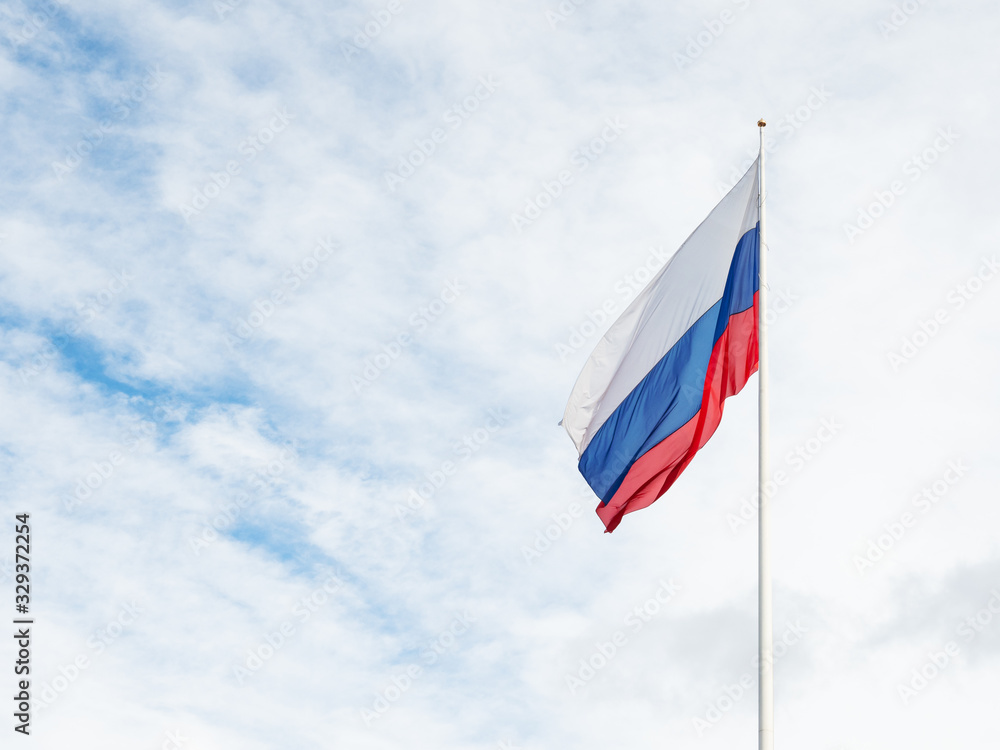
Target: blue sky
263 297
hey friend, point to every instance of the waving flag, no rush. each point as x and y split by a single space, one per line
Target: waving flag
652 392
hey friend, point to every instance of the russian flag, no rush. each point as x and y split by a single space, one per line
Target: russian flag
652 392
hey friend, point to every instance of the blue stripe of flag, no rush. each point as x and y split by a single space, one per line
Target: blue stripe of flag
671 393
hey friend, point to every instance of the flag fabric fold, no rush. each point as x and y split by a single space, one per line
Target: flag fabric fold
652 392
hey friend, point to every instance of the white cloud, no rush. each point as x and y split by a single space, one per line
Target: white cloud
146 371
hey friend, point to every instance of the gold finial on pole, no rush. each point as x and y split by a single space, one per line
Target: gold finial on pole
761 123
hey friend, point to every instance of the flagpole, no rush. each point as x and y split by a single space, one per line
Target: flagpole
764 624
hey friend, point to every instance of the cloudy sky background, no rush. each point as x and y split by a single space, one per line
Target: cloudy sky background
172 168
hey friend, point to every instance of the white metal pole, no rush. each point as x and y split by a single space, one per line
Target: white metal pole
764 625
